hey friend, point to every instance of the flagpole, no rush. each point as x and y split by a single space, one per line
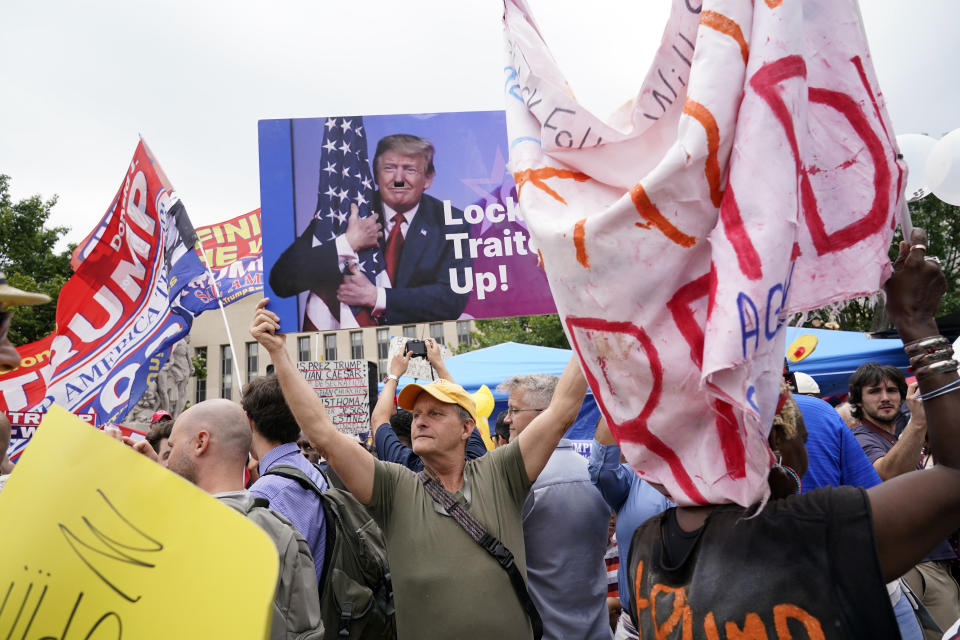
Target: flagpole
223 313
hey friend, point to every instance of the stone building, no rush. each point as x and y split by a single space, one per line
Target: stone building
209 339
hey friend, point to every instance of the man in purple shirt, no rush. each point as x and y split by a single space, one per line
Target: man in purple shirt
275 434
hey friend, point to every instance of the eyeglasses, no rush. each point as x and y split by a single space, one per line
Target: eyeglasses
511 411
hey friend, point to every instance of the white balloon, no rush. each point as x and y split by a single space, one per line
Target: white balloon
942 173
915 148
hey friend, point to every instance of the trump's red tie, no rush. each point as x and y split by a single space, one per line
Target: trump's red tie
393 248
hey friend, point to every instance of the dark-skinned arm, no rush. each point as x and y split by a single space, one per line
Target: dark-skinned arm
352 463
915 511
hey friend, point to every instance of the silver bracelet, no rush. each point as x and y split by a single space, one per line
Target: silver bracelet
945 389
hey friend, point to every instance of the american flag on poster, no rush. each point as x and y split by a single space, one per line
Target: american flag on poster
754 175
345 181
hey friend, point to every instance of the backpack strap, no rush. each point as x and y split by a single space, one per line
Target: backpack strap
261 502
329 518
490 543
295 473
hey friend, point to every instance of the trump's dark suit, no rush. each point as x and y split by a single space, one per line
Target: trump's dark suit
421 292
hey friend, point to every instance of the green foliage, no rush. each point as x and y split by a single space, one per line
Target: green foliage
29 260
942 224
941 221
544 331
199 360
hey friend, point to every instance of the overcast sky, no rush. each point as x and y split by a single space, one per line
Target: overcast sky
81 80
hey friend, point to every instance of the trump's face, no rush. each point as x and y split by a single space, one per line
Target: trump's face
402 179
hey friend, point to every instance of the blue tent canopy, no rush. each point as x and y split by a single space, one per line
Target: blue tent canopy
839 353
835 358
492 365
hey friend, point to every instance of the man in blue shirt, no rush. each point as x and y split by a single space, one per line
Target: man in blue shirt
834 455
565 526
275 433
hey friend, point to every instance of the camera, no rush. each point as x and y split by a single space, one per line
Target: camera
417 348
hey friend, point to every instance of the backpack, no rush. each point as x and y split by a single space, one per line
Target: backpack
356 595
295 613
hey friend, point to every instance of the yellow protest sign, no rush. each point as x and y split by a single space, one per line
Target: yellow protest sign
100 542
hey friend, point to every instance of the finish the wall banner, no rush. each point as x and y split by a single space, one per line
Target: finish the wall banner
754 175
118 311
232 250
458 248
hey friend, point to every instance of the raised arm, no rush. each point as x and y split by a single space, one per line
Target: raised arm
913 512
435 358
386 404
352 463
539 439
904 456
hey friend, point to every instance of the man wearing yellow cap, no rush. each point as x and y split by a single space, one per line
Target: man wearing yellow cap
388 445
438 571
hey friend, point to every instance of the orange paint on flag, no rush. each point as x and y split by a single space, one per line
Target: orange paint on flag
579 241
646 209
537 176
712 169
773 4
728 27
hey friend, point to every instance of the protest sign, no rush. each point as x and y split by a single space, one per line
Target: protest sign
108 544
344 387
418 368
753 176
464 252
226 242
120 310
232 250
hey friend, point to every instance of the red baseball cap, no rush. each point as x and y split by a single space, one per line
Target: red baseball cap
159 415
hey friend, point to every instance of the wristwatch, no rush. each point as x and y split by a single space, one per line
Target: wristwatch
390 376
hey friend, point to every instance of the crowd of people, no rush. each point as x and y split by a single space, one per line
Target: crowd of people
530 539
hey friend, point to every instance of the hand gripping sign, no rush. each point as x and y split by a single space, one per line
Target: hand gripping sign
753 176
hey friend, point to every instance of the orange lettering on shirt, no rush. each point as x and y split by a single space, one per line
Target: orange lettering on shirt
753 629
783 612
710 627
680 614
642 603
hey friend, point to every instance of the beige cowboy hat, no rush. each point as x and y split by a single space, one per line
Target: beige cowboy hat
13 297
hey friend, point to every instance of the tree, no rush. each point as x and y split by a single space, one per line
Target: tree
29 260
942 224
543 331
